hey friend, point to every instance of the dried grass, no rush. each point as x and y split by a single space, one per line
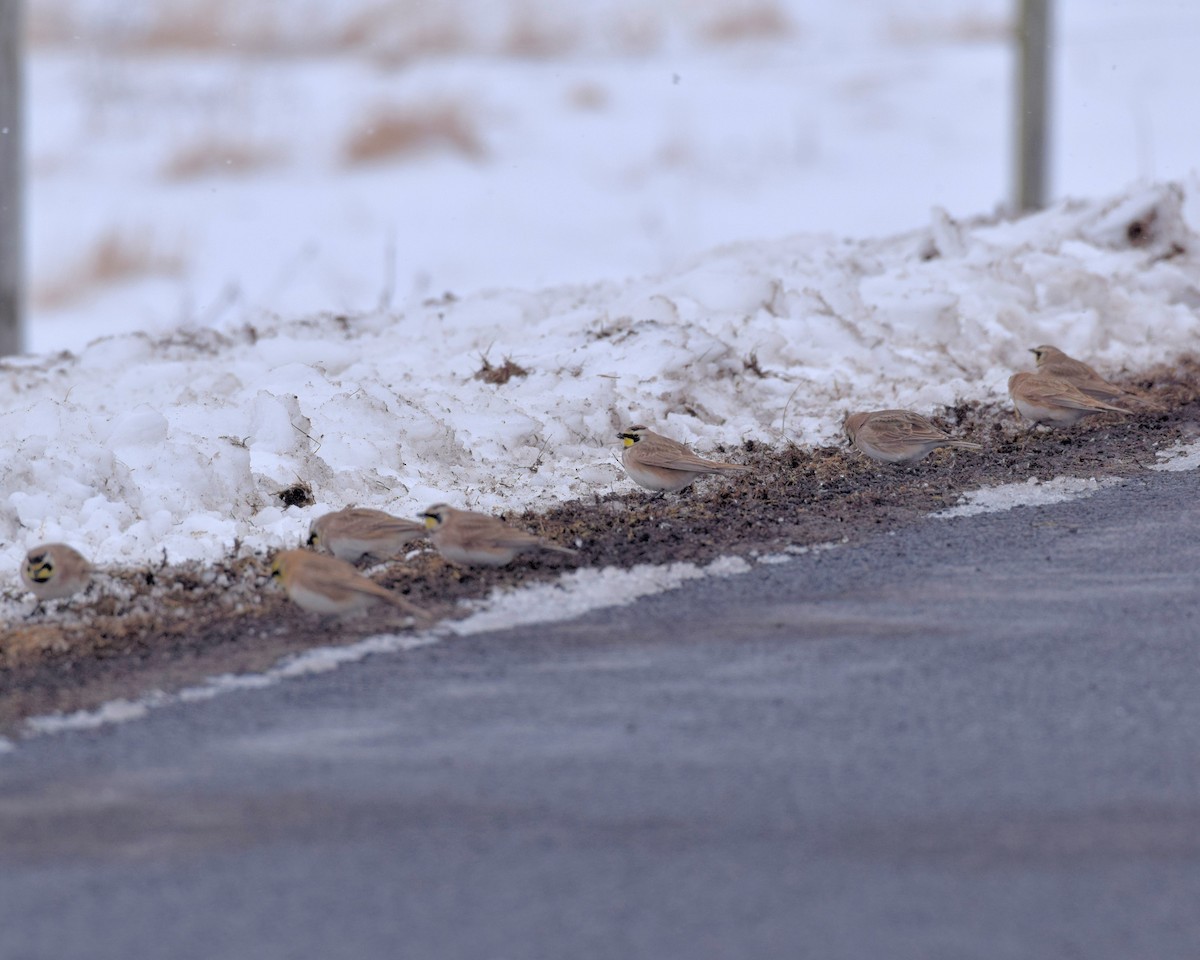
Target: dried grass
116 256
195 26
192 26
533 35
220 158
398 32
761 20
588 97
490 373
394 131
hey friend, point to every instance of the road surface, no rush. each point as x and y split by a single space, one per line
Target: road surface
974 738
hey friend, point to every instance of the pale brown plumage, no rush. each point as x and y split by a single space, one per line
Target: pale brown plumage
661 464
358 533
323 584
476 539
1053 400
1052 361
52 571
895 436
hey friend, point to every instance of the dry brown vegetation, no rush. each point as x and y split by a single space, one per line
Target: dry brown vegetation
736 23
392 39
393 33
167 626
395 131
490 373
220 158
192 26
116 256
588 96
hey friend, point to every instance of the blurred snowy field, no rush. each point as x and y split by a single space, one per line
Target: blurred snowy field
279 240
202 162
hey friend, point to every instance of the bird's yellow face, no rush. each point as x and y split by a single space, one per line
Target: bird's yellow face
314 540
631 436
277 566
39 568
1038 354
435 516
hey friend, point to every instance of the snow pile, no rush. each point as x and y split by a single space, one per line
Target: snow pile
135 445
202 162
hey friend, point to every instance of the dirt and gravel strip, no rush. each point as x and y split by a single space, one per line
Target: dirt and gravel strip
169 626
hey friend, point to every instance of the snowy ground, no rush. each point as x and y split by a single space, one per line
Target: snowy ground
137 445
209 161
289 299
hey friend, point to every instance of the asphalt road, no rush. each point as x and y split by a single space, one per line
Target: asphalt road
975 738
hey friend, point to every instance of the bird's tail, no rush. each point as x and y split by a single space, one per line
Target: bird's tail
403 603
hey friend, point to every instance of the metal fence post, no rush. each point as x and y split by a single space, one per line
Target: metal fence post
12 171
1033 97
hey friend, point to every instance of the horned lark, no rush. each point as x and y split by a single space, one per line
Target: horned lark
321 584
475 539
1053 400
357 533
657 463
53 570
1052 361
894 436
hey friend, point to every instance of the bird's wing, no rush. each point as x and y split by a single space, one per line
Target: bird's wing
399 525
675 456
484 531
1067 395
901 429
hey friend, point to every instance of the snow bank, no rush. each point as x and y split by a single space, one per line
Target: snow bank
136 445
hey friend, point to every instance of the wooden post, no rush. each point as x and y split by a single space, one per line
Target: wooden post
12 170
1033 100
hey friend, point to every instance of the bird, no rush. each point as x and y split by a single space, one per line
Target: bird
358 533
894 436
322 584
470 539
664 465
1053 400
53 571
1052 361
